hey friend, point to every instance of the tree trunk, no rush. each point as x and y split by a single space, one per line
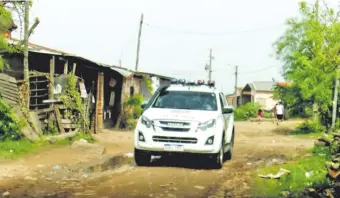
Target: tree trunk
26 70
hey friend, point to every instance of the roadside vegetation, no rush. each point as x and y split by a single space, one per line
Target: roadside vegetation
10 149
248 111
306 172
309 49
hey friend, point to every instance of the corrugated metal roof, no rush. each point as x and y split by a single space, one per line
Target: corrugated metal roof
153 74
45 50
121 70
263 85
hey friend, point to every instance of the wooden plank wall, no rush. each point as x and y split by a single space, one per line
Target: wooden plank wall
9 89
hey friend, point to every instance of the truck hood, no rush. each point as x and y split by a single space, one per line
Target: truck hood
180 115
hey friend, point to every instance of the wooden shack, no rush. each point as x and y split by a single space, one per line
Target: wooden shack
49 68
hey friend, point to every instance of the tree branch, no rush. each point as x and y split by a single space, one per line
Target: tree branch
30 31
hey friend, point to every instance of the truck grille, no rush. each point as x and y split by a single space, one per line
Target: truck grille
174 139
175 129
168 123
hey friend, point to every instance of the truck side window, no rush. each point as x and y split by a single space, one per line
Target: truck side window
224 99
221 101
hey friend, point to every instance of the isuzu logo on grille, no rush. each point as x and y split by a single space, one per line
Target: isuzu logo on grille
174 124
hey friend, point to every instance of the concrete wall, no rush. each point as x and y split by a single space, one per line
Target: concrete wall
158 82
145 93
129 82
265 100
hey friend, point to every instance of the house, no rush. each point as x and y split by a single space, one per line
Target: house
156 81
231 97
109 85
260 92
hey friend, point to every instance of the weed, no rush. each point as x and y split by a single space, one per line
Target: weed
15 149
305 172
310 126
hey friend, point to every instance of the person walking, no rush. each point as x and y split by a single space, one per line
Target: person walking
274 113
279 112
259 115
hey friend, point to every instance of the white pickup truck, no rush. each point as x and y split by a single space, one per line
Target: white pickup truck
189 118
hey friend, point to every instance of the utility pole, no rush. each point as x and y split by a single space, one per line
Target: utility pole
138 41
335 98
26 70
235 97
208 67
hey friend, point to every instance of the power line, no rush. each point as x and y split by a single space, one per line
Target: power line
251 72
213 33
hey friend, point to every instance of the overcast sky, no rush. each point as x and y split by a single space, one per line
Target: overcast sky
176 36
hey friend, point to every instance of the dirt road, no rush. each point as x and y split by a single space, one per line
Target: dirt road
255 146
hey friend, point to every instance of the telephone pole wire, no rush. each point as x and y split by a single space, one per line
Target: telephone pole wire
235 97
138 41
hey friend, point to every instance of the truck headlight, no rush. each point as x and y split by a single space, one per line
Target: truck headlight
207 125
146 121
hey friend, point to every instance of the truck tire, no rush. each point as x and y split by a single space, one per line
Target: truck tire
142 158
218 159
229 154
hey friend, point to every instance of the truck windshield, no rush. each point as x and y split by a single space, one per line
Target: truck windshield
186 100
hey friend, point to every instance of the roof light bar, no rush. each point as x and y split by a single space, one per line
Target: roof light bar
200 82
211 83
174 81
182 81
191 82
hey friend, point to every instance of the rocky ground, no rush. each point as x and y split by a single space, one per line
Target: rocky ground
77 172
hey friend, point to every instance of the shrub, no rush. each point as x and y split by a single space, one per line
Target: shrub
132 111
246 111
71 98
9 124
310 126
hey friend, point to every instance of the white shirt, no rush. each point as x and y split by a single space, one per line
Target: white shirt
279 109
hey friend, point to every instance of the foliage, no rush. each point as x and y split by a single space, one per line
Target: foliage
148 84
51 128
292 100
335 147
305 172
246 111
310 52
132 111
14 149
71 98
9 124
310 126
5 23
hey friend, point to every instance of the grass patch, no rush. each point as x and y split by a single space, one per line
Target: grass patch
305 172
15 149
283 130
310 135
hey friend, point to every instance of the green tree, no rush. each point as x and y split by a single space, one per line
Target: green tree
293 100
6 23
310 51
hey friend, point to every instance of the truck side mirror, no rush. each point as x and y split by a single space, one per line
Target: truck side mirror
228 110
144 104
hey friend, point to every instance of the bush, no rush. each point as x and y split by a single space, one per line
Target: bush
132 111
310 126
246 111
9 124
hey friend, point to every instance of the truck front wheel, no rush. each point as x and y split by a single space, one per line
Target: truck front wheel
142 158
